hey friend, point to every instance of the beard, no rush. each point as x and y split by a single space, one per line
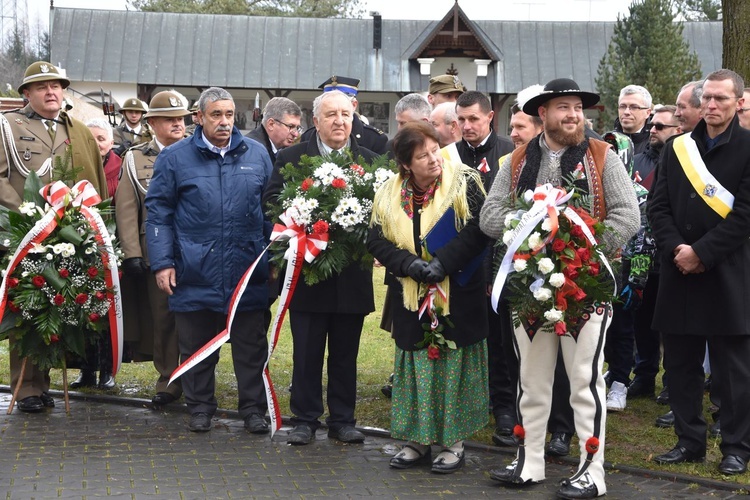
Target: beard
562 137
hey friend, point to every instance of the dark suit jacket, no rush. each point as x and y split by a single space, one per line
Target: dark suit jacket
350 291
260 135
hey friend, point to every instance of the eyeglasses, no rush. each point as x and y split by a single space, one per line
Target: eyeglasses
720 99
292 128
743 110
662 126
631 107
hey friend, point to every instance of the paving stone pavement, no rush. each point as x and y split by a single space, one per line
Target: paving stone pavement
120 448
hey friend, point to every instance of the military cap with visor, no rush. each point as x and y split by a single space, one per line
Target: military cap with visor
167 104
42 71
134 104
343 83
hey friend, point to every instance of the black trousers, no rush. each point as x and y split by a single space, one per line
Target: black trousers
729 355
310 331
249 353
502 361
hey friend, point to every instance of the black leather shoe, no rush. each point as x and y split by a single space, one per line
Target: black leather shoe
255 423
503 435
106 381
404 463
387 390
508 476
32 404
440 467
300 435
666 420
47 400
663 397
200 422
85 379
559 444
570 490
679 455
346 434
715 430
163 399
640 388
732 464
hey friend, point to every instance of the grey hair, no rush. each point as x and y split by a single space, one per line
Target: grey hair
277 107
638 90
318 102
416 103
696 94
102 124
213 94
450 115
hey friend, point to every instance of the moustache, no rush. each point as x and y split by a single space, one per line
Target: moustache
223 128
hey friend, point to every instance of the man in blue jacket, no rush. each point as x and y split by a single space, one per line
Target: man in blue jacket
205 227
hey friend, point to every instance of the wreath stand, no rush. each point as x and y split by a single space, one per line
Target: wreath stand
20 381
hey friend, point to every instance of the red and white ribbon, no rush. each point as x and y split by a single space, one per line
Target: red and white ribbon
428 304
302 247
483 167
83 195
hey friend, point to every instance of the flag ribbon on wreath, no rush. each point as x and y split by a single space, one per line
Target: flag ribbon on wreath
428 304
302 247
83 195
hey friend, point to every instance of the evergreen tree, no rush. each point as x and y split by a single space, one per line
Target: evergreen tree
700 10
648 49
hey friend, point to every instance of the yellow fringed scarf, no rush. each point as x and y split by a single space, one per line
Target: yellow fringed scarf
398 227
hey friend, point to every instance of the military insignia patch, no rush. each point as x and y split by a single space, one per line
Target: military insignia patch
174 102
710 190
44 68
19 121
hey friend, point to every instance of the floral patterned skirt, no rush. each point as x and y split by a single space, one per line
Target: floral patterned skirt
440 401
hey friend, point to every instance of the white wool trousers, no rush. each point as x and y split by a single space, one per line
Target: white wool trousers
584 358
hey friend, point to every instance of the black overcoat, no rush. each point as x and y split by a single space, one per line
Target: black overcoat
468 303
715 302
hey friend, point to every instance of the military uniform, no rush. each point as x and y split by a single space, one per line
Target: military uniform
29 147
125 138
149 325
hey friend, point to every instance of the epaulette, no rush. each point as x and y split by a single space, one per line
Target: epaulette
144 148
373 128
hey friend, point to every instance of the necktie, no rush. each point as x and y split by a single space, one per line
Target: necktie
50 129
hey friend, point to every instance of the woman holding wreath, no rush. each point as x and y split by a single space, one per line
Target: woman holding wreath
425 232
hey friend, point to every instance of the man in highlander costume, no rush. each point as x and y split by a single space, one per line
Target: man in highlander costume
561 151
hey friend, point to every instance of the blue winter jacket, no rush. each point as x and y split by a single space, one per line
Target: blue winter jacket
205 219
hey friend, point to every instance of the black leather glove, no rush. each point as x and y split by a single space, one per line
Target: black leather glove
435 271
416 270
134 266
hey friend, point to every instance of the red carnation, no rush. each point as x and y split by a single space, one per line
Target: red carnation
584 254
100 295
93 272
558 245
320 227
579 295
576 232
81 298
38 281
94 317
13 307
594 268
338 183
13 282
357 168
519 431
64 273
58 300
561 328
54 338
433 352
592 445
306 184
570 272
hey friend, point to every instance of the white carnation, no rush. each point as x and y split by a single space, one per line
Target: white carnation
519 265
27 208
509 218
553 315
545 265
535 240
557 280
542 294
547 225
507 237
